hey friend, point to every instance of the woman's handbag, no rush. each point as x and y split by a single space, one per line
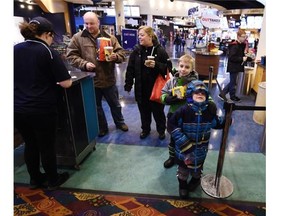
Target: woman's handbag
158 85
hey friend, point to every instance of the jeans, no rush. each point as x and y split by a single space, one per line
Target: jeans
231 87
111 95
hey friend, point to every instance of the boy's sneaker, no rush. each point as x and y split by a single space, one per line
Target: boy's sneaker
61 179
220 96
235 98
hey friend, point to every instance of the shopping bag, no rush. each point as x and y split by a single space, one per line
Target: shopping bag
158 85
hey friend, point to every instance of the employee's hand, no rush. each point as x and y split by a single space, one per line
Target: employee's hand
90 66
212 108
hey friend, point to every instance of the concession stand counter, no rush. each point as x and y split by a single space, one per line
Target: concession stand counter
204 60
77 121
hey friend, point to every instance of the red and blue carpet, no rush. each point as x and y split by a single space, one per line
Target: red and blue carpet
78 202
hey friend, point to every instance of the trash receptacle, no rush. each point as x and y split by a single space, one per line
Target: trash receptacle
260 116
244 81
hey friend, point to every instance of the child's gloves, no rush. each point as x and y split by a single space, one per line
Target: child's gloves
212 108
172 100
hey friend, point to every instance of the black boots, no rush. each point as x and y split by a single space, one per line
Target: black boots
183 189
169 162
40 182
144 134
193 183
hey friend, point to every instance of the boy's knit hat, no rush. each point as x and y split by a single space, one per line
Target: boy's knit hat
194 86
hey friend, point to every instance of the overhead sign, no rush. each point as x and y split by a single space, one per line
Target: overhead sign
210 21
129 38
192 11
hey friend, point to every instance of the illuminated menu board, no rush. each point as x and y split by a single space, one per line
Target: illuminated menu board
254 22
135 11
131 11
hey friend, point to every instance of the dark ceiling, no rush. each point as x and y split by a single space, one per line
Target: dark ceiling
240 4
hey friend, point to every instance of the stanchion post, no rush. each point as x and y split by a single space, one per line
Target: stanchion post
219 186
211 68
228 118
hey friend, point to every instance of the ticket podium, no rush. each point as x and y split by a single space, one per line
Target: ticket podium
77 121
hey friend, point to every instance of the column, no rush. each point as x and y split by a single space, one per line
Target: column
119 16
150 20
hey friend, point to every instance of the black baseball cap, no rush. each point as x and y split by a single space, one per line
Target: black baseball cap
43 24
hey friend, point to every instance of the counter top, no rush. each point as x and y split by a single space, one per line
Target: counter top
79 75
248 67
261 65
201 52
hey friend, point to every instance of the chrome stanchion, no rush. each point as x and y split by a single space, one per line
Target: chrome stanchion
219 186
210 77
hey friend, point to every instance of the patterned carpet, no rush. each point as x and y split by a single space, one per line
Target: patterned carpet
78 202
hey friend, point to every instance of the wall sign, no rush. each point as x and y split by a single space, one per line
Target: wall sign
129 38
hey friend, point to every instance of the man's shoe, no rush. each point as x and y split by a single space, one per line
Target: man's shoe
61 179
144 134
102 133
235 98
161 136
41 182
169 162
220 96
194 182
123 127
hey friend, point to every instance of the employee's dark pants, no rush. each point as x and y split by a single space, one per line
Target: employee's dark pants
39 134
148 108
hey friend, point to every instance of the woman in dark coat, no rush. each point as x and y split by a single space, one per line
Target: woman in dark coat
142 73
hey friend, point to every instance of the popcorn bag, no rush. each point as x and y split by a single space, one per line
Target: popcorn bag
101 43
179 91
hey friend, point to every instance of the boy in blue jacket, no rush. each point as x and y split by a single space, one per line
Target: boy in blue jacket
190 128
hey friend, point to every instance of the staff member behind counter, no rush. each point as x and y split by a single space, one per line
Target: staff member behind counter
38 73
